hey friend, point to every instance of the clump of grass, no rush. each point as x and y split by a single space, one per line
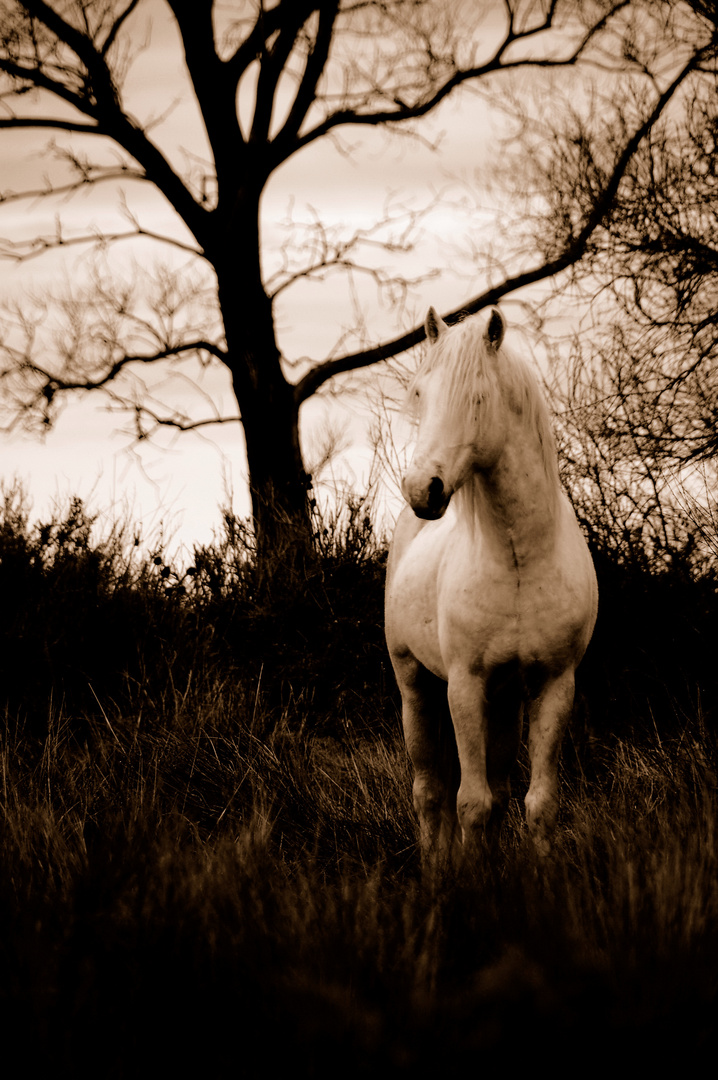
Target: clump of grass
95 617
316 648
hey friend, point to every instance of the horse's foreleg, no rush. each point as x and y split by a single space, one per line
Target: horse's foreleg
475 801
548 715
431 746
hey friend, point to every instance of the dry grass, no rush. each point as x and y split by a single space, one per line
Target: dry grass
237 902
210 864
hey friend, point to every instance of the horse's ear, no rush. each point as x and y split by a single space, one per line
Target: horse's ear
495 328
434 325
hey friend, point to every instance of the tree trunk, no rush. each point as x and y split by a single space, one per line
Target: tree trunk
279 485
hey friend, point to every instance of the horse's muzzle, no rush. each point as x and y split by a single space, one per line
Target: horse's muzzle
428 501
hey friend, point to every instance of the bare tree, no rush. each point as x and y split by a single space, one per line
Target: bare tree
315 68
637 400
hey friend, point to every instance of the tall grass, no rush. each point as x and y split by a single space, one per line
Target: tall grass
209 851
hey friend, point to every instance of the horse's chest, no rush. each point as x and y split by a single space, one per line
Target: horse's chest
494 618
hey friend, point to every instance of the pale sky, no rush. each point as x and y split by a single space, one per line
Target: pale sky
178 483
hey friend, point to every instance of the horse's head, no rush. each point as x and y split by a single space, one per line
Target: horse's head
454 394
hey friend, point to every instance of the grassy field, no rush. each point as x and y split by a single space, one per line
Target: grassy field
209 852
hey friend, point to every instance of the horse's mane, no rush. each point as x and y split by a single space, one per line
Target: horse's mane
473 372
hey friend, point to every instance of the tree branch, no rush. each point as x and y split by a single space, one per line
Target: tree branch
11 250
120 173
321 372
315 64
271 64
54 384
403 112
99 98
42 81
183 425
267 24
116 27
47 122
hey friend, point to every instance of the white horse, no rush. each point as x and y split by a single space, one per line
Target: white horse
491 593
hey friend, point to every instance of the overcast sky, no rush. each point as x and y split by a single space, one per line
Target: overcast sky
178 484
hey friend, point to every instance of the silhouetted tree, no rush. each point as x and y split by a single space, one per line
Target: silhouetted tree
305 70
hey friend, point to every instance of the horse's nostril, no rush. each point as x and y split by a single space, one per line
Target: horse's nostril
436 490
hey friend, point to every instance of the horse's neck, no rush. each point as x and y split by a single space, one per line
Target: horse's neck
517 501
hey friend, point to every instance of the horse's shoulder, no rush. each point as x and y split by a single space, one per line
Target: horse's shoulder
407 527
